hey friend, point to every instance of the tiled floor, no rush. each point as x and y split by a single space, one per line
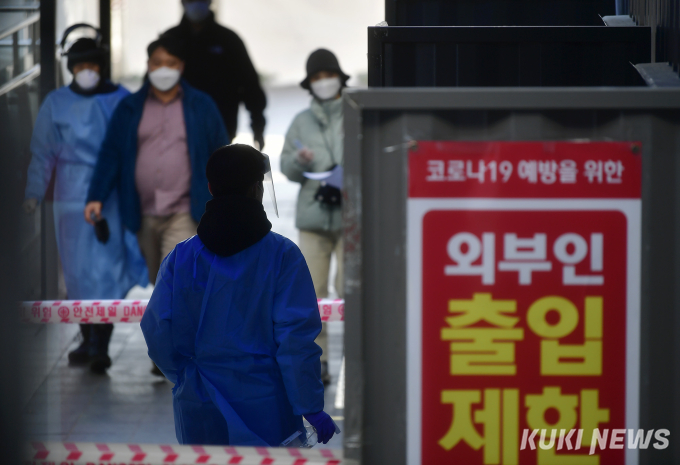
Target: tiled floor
128 404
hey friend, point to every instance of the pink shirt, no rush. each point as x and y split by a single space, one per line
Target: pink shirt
163 169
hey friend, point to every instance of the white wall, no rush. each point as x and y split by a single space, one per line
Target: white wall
70 12
279 34
142 22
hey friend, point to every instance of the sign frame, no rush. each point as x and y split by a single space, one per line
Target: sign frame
380 125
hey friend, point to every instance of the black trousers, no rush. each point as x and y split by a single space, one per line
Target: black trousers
97 337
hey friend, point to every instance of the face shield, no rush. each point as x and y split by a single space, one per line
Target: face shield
90 32
269 182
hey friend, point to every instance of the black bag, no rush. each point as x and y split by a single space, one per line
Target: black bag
328 195
101 230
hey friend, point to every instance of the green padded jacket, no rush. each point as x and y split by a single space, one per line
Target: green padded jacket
320 129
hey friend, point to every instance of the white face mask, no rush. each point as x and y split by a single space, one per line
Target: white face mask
326 89
164 78
87 79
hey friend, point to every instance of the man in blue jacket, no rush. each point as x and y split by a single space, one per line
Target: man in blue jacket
233 318
156 150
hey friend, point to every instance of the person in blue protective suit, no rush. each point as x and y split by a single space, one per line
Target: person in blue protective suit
67 136
233 318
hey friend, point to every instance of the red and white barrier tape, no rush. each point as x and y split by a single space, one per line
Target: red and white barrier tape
124 311
71 453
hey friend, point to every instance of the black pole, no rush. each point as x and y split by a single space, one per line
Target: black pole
391 12
105 26
48 82
11 347
48 34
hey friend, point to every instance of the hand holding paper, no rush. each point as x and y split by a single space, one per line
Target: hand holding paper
304 155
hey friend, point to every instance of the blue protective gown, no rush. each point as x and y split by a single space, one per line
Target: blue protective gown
236 336
68 133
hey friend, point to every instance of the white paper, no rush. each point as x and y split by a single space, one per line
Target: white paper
332 177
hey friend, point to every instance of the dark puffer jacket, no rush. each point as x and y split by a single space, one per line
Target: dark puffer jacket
218 64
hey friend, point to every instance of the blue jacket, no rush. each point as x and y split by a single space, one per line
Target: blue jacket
236 336
118 155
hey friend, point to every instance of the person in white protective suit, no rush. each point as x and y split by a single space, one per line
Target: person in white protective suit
103 262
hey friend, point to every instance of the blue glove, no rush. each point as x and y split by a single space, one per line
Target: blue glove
325 428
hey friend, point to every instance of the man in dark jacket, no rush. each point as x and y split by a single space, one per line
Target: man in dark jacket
219 65
156 151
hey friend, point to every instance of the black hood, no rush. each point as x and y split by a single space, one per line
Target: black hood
86 50
232 223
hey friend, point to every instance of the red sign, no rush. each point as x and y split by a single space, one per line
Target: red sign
526 170
522 290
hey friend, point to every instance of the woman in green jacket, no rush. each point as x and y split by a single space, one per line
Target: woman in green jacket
314 143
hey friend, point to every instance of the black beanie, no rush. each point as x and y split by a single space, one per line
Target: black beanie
233 169
173 45
323 60
85 50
